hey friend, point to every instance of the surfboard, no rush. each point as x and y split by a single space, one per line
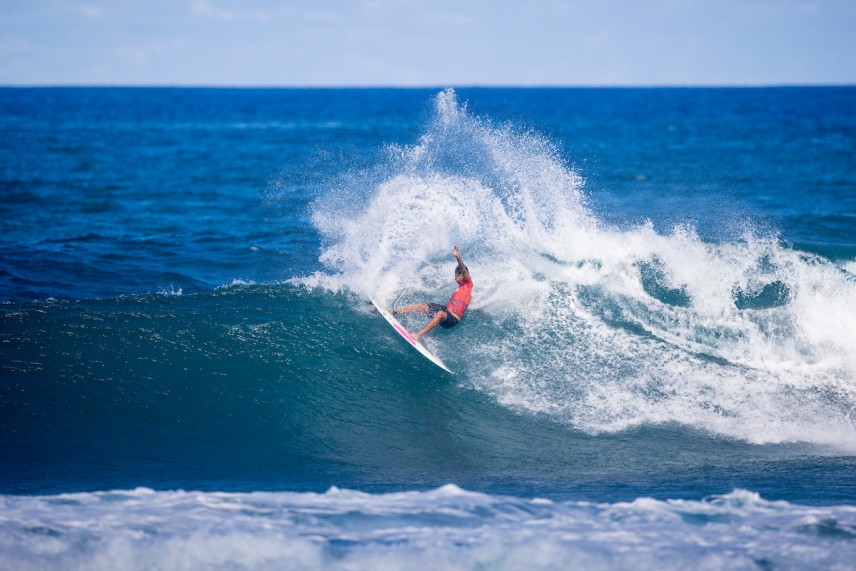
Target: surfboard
399 328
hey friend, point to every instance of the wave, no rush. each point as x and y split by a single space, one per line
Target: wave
444 528
598 327
271 387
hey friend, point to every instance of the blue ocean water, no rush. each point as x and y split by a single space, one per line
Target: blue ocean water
658 369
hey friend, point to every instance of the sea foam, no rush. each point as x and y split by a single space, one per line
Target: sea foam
445 528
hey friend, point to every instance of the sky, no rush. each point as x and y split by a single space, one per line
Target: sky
413 43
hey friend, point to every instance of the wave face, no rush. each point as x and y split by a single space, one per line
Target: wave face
600 328
254 387
445 528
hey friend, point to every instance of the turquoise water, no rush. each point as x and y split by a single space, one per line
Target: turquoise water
657 369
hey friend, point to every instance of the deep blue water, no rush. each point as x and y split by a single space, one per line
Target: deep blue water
665 308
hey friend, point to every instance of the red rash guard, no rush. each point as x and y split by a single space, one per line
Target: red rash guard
461 298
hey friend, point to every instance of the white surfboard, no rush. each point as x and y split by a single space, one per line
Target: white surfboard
413 342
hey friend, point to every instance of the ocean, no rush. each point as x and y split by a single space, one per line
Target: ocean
657 371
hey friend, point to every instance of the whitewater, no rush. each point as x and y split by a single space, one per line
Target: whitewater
446 528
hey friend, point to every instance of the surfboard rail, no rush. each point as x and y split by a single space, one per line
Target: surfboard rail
402 331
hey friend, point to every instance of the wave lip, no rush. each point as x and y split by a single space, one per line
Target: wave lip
447 528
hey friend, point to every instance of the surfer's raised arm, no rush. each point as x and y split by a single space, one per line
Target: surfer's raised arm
461 266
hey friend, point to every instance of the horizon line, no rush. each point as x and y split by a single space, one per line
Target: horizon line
419 87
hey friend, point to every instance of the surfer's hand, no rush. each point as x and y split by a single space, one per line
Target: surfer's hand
456 252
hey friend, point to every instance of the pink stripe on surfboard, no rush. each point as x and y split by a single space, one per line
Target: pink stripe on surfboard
404 333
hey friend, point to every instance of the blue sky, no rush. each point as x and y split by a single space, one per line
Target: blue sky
427 43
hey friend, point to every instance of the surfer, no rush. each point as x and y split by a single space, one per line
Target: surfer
449 315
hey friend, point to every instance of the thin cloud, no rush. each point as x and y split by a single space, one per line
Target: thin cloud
204 8
77 10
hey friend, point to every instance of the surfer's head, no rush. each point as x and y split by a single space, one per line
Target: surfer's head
459 273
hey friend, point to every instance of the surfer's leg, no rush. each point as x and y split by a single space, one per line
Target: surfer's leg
438 317
413 308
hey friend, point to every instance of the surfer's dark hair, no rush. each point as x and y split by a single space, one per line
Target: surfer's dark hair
459 271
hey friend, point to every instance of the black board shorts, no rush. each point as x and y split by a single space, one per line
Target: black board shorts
450 320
